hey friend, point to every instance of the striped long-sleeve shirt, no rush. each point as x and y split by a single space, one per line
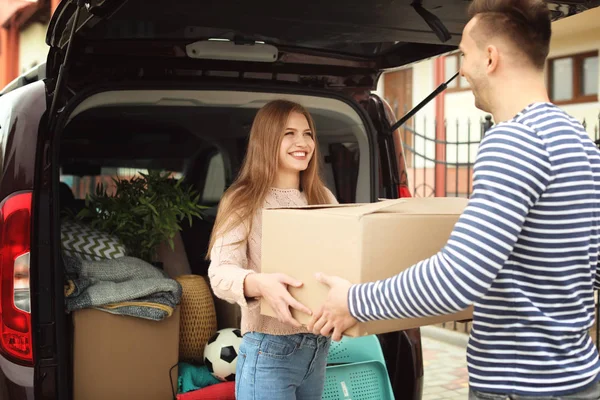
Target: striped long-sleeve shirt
524 252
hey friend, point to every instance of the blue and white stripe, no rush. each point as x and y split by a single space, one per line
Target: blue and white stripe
524 252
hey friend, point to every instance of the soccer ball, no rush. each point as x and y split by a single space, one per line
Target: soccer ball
221 353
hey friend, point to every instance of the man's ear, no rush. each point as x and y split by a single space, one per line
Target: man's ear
493 58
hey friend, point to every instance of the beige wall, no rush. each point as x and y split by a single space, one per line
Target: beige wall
459 109
463 124
424 120
32 46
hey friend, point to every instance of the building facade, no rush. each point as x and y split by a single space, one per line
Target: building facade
23 26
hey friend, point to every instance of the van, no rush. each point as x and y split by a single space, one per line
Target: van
132 85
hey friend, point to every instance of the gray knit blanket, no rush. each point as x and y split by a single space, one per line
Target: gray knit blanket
125 286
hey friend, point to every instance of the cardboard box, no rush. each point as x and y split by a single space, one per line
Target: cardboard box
121 357
361 243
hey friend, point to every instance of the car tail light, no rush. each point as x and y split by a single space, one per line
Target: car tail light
403 191
15 316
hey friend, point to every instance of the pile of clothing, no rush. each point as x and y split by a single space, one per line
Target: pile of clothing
197 383
124 285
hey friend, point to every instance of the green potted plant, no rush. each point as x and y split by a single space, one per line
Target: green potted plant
143 211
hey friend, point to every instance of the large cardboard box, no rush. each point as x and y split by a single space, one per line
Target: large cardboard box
124 358
362 243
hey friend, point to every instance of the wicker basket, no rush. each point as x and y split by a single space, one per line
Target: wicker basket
198 318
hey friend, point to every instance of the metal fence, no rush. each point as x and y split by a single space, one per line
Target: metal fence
443 168
428 158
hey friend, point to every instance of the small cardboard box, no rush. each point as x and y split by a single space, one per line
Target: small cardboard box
361 243
122 357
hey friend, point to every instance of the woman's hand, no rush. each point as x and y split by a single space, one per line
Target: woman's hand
273 288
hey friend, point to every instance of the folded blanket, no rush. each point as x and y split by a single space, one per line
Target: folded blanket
192 377
220 391
125 285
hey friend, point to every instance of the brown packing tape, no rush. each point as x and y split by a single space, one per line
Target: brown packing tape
425 206
315 206
358 209
372 208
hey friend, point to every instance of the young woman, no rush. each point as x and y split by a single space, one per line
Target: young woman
279 358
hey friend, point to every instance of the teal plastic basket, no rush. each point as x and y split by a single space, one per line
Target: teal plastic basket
357 371
366 380
351 350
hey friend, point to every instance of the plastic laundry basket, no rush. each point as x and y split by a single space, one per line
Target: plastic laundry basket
366 380
351 350
357 371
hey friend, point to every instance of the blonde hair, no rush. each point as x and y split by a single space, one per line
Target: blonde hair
246 196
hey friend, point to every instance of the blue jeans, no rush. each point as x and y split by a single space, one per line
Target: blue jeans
281 367
591 393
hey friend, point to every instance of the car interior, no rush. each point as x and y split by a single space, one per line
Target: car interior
200 136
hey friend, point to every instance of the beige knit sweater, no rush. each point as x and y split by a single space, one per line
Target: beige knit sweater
231 263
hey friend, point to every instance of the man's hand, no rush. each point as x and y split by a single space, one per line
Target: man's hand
274 289
334 314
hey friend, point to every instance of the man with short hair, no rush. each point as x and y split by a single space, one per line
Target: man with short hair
525 249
